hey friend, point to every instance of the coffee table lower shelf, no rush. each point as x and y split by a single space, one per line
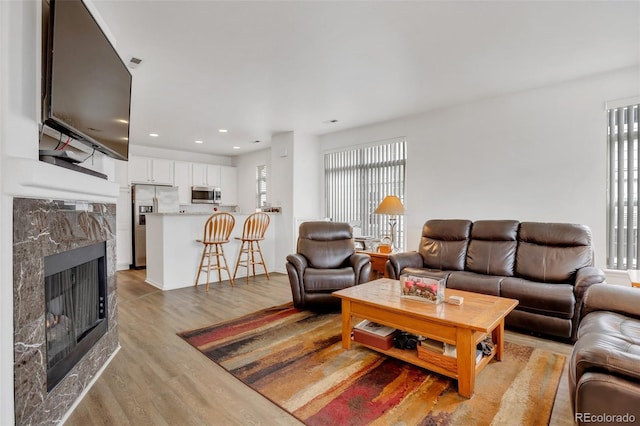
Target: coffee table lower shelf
411 357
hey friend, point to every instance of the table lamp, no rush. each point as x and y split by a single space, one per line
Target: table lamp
392 206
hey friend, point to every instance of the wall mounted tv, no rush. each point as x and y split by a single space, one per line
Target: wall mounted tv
87 87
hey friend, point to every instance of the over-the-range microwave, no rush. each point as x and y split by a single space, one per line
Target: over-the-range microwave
206 195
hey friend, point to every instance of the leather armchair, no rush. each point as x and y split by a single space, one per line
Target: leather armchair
604 374
325 262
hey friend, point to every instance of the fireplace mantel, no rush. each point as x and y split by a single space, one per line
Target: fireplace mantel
37 179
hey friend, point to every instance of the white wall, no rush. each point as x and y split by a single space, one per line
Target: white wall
536 155
307 172
246 174
281 190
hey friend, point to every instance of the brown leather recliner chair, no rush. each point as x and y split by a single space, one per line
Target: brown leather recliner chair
325 262
604 374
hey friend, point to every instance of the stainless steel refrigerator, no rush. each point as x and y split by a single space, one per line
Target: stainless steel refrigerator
149 199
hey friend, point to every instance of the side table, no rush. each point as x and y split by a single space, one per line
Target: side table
378 263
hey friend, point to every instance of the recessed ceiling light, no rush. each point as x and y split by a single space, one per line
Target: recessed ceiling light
236 147
198 141
256 141
330 121
154 135
223 130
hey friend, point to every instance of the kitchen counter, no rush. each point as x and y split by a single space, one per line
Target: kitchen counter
173 254
207 214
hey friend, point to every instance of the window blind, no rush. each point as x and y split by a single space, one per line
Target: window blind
261 186
358 179
624 188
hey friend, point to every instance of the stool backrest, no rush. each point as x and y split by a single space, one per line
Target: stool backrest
255 226
218 227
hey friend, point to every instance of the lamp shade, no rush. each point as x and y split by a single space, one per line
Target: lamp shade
390 205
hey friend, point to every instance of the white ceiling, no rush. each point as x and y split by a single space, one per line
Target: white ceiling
259 68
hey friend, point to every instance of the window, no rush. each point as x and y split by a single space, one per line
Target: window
357 180
624 188
261 186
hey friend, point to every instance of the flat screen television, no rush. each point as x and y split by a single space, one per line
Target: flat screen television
87 86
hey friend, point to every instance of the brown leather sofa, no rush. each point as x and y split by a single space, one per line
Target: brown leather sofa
547 267
325 262
604 373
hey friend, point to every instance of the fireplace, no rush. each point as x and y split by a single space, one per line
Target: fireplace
76 306
64 303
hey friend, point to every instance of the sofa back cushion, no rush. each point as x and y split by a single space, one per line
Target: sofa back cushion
492 247
553 252
444 243
326 245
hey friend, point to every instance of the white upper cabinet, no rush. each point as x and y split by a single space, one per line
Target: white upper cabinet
155 171
205 174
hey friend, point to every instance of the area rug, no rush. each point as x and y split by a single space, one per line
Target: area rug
295 358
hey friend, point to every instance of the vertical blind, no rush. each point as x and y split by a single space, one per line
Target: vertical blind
624 187
357 180
261 186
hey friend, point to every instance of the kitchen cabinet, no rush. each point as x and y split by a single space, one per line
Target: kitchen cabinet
205 174
229 186
156 171
182 179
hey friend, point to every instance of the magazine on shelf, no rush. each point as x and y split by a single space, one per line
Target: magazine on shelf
375 328
433 345
450 350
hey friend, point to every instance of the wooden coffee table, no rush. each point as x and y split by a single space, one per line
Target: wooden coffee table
464 326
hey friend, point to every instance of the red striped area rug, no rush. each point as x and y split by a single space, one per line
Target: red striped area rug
295 358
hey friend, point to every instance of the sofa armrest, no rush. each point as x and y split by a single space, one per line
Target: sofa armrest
296 264
613 298
397 262
361 264
299 263
585 278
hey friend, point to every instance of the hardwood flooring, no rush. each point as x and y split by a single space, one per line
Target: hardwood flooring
158 379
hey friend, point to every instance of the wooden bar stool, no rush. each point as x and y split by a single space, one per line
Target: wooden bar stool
252 233
217 230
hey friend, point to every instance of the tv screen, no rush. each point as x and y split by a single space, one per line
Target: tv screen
87 91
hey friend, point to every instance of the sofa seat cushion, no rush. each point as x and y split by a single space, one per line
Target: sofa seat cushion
556 300
609 342
477 283
323 280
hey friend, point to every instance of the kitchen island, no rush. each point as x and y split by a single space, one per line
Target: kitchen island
173 254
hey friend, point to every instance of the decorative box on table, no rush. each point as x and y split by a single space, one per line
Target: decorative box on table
374 334
422 288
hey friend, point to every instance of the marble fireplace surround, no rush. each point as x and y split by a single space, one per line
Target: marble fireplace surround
41 228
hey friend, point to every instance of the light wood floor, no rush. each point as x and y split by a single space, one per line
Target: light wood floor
158 379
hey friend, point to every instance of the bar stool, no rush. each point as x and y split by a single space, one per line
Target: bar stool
252 233
217 229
